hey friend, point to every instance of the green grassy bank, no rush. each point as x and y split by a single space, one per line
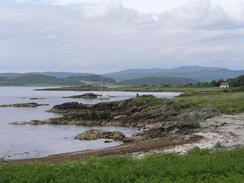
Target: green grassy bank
196 166
228 103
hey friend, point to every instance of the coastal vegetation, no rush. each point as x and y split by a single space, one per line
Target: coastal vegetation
218 165
226 102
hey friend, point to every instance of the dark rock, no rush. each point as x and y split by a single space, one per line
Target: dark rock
128 140
29 105
131 113
160 117
107 141
37 98
85 96
69 107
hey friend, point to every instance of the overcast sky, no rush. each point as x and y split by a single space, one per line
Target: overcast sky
110 35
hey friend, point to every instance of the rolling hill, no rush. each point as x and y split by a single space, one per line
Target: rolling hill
202 74
45 80
63 74
179 76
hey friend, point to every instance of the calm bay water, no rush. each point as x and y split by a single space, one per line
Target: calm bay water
20 142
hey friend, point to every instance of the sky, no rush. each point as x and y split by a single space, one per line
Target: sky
102 36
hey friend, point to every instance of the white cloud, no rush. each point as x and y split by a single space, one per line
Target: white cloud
103 37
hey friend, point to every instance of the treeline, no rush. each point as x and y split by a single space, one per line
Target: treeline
213 83
235 82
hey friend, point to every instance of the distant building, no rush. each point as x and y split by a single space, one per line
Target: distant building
224 85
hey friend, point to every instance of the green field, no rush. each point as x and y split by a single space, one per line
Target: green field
196 166
228 103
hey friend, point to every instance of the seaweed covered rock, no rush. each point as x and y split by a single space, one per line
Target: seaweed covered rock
95 134
160 117
24 105
85 96
68 107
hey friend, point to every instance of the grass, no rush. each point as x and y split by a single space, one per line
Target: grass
145 100
164 89
228 103
196 166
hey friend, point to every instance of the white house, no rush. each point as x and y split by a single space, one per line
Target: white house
224 85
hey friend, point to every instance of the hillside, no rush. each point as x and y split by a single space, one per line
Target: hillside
236 82
157 81
202 74
63 74
176 76
33 80
44 80
52 74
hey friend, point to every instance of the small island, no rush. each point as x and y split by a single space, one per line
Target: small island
85 96
24 105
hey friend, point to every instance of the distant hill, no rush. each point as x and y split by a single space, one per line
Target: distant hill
53 74
90 78
182 74
8 74
157 81
202 74
34 80
45 80
63 74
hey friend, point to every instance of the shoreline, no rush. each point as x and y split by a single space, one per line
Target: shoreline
124 149
173 126
224 130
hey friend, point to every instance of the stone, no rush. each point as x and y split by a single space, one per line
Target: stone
96 134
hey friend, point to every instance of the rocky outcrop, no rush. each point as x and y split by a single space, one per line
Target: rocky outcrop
29 105
85 96
142 112
198 115
96 134
129 113
160 117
